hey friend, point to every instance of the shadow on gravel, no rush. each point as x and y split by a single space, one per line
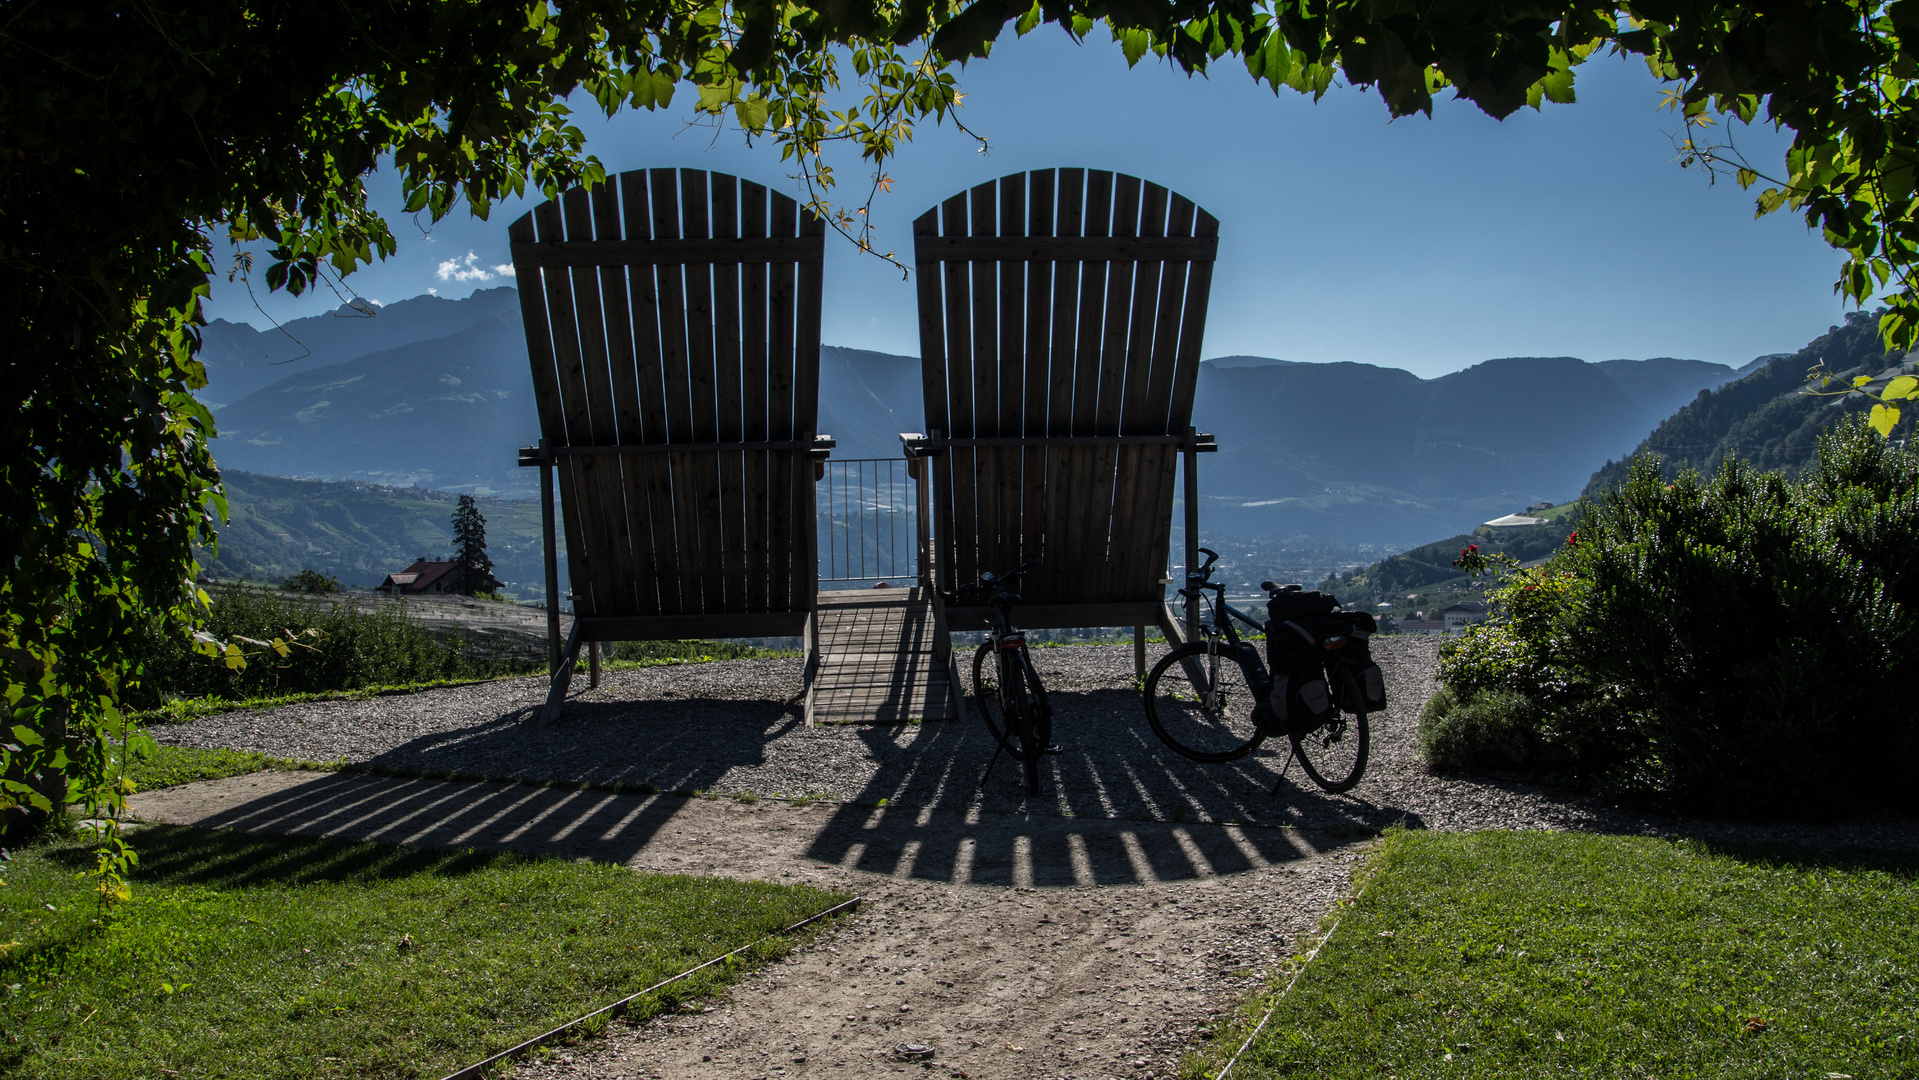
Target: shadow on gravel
1115 806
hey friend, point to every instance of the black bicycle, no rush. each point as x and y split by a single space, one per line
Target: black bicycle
1008 691
1194 711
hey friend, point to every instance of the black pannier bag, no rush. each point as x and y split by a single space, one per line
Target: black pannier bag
1300 699
1367 677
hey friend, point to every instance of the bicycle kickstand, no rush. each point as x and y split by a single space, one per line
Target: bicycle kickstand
997 750
1283 767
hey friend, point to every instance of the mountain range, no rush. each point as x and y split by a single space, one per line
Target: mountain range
435 393
1767 418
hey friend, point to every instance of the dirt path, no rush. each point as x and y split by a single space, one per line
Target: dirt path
1016 946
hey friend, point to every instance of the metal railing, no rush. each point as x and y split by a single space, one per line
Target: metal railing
869 521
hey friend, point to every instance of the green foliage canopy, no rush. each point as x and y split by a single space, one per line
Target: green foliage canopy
131 135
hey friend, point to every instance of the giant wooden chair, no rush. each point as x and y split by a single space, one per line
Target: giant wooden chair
673 323
1061 313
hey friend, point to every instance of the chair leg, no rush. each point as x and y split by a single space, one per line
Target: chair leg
593 665
1139 652
562 678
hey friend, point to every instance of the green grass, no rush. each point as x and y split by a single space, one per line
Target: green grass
1541 954
171 766
262 956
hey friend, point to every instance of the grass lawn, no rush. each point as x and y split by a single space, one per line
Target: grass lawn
265 956
171 766
1555 954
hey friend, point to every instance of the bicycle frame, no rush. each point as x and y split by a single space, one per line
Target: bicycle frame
1220 625
1026 712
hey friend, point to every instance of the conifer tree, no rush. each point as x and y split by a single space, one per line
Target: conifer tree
469 548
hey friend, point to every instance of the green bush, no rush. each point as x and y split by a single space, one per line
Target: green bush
1731 644
353 649
311 581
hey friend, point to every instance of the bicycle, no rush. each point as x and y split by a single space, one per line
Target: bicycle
1008 692
1191 711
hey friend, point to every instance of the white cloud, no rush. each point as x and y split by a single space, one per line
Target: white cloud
469 269
433 292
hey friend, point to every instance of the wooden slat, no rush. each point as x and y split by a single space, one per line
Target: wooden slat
933 368
702 381
1036 348
613 582
753 377
668 252
1010 360
962 537
1133 516
1063 395
673 627
539 340
1084 538
580 564
1112 390
1103 249
653 473
983 215
680 594
782 299
1160 468
806 408
729 390
623 376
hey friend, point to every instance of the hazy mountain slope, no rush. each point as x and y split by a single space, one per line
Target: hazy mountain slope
240 359
449 413
1663 383
1353 450
867 399
362 532
1340 451
1765 418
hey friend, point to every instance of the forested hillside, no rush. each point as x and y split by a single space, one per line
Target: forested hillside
1427 571
1766 418
359 533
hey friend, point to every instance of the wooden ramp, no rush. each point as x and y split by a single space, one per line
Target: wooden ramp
879 660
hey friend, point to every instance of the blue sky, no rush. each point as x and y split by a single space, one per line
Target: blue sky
1427 244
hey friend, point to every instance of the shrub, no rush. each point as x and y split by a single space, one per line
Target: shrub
1731 644
353 649
311 581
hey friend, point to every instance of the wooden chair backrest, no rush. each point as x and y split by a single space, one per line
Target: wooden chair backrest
1061 314
678 308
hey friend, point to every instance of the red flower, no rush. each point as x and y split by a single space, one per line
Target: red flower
1572 538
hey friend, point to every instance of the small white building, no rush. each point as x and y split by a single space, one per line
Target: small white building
1461 615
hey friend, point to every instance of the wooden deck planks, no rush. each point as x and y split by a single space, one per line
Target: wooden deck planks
879 659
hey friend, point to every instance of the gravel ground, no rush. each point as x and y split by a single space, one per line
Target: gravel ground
737 727
1093 932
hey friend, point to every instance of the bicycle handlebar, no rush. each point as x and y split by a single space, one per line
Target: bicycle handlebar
989 582
1206 568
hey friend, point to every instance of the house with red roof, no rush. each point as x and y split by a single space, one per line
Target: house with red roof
430 577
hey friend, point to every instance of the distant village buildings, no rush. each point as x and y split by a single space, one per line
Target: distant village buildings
1450 620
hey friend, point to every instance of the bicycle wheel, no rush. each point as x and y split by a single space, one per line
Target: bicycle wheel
1010 715
1194 710
1334 753
992 709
